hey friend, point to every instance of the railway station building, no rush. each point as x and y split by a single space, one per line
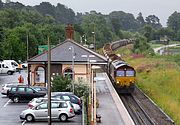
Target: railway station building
67 58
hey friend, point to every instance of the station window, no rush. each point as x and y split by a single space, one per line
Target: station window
68 72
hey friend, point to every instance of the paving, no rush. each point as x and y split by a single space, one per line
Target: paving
110 108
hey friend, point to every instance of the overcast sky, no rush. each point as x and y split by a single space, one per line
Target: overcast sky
161 8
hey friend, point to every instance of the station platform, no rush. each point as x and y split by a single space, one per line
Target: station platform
110 108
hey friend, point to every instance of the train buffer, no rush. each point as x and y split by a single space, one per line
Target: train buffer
98 118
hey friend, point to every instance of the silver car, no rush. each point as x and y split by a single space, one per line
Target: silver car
36 101
62 110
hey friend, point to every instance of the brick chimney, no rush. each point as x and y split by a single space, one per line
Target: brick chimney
69 31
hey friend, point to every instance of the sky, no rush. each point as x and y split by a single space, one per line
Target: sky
161 8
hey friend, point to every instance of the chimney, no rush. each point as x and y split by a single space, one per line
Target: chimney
69 31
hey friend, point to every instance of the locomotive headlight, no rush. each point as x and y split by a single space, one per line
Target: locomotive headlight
118 82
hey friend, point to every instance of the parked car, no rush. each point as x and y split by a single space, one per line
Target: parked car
68 96
5 69
23 92
40 89
59 110
12 64
6 87
36 101
24 65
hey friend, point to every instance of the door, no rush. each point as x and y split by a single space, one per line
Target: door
55 110
41 111
30 94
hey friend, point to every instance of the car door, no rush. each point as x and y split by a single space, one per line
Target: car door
21 93
41 111
30 93
55 109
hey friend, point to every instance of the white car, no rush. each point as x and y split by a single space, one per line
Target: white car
59 110
6 87
36 101
24 65
68 96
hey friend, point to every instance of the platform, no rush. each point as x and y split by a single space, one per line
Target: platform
111 108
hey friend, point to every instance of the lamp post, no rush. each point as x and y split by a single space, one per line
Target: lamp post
90 80
71 48
94 40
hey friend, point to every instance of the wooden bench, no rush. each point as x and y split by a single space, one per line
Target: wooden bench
98 118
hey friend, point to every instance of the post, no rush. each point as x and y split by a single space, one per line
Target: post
27 41
94 88
49 83
92 97
83 110
73 57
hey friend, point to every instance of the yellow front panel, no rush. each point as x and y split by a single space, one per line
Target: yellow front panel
125 81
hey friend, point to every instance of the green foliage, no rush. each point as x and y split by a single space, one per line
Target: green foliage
153 21
122 20
61 84
141 46
81 89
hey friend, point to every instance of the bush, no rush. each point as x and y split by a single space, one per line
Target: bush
61 83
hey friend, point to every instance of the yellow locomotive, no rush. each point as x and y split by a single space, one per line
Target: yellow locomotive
122 75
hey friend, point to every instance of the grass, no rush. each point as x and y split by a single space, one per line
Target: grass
159 78
162 84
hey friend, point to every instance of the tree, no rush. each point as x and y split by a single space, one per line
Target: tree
153 21
45 8
126 20
148 32
141 46
140 20
174 21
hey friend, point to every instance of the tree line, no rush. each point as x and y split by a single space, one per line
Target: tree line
19 22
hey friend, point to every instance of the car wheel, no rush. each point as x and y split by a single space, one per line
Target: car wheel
16 99
9 73
63 117
29 118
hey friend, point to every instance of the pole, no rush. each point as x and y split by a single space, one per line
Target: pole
71 48
94 38
27 41
73 56
94 88
49 83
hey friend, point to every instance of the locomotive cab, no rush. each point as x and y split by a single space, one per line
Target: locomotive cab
123 76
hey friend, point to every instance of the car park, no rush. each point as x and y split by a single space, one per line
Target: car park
61 110
6 87
23 92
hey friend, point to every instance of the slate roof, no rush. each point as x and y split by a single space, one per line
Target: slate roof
62 54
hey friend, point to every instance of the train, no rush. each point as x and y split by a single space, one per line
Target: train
122 75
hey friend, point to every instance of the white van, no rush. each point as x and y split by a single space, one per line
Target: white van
12 64
5 69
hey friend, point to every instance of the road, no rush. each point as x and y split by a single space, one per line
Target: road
162 47
10 111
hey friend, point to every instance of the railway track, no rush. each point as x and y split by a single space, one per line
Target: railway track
137 113
143 110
